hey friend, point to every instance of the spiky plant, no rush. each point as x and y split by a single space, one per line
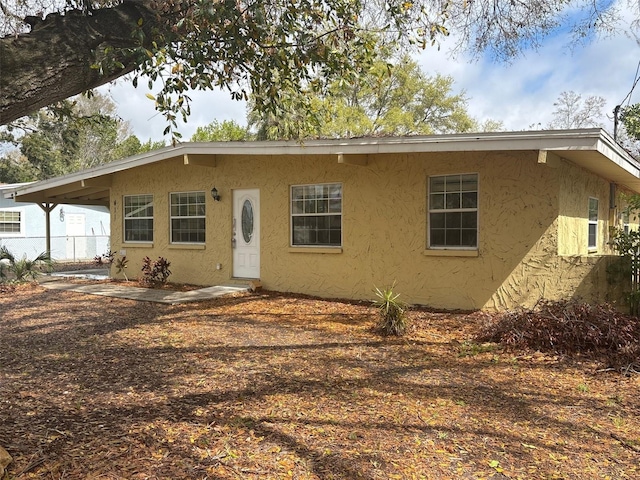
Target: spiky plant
24 268
393 320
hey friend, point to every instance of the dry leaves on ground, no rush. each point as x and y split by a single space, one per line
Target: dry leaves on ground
277 386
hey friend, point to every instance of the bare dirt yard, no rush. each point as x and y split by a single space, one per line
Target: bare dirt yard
279 386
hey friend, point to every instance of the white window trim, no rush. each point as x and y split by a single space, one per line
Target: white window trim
124 218
291 215
171 217
593 248
445 210
23 232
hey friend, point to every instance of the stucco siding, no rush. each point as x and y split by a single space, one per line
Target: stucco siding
384 227
576 187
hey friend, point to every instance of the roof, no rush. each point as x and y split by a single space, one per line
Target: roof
12 186
592 149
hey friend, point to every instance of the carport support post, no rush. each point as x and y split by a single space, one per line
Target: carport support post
48 207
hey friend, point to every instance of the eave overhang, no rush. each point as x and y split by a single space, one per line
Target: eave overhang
592 149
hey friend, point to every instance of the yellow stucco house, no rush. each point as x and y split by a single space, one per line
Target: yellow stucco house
464 221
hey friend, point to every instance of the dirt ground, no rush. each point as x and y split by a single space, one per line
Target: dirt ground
274 386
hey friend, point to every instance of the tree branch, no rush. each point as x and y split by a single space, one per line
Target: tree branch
64 48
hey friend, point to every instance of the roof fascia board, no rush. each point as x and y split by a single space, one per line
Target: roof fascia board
561 140
102 170
616 154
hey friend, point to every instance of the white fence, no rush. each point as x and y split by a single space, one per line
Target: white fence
63 248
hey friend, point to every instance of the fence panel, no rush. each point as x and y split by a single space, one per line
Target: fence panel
63 248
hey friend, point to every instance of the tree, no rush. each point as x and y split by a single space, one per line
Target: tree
244 46
389 99
574 112
627 243
82 134
630 118
489 125
15 168
132 146
225 131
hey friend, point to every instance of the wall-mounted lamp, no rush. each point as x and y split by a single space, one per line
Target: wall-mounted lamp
214 194
61 214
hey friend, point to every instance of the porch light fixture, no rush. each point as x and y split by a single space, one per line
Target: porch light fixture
214 194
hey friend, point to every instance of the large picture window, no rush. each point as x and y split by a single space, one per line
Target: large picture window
453 211
593 224
188 217
316 215
138 218
11 223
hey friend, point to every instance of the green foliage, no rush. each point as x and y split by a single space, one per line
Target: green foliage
471 349
16 168
630 118
225 131
267 48
23 269
383 99
583 388
155 272
392 311
627 244
150 145
76 135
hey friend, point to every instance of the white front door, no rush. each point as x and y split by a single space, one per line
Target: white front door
246 233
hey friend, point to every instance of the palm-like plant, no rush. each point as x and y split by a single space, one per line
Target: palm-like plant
121 265
23 268
393 320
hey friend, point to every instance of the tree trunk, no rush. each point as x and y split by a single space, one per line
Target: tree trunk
54 60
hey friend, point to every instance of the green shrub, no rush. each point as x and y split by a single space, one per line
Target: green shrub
23 268
393 320
627 244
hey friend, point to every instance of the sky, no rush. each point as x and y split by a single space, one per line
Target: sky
520 94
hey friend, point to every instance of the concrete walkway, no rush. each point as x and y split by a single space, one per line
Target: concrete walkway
58 282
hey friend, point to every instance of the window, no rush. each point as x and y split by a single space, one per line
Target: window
593 223
453 211
138 218
11 223
316 215
625 222
187 217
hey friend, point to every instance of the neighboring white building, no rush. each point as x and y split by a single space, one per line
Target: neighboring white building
77 232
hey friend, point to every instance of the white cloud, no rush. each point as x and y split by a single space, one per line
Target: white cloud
206 106
522 93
